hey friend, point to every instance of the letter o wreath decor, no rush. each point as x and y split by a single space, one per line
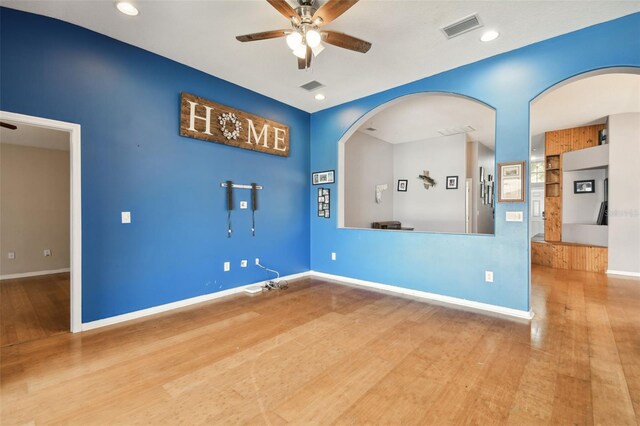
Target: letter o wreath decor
231 118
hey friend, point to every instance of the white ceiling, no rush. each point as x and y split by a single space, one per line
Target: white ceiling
406 37
420 116
37 137
583 102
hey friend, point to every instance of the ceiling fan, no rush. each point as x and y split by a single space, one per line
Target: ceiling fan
305 37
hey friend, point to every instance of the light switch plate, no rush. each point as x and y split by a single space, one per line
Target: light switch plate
514 216
243 263
243 204
227 266
333 256
126 217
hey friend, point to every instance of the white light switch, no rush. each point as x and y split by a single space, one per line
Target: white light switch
514 216
126 217
243 204
243 263
227 266
46 252
333 256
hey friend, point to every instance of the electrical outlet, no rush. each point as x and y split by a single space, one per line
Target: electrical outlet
333 256
11 255
243 204
227 266
47 252
243 263
488 276
126 217
257 260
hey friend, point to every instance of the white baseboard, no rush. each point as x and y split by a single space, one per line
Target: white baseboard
429 296
33 274
175 305
624 273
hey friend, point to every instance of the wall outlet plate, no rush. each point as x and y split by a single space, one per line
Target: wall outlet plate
257 260
11 255
126 217
46 252
227 266
243 263
333 256
243 204
488 276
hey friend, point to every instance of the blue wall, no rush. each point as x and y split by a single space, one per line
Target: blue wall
127 102
454 265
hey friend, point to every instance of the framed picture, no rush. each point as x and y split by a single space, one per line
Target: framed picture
402 185
452 182
324 203
481 174
511 182
321 178
584 186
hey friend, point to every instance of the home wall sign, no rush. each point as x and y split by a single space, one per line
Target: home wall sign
213 122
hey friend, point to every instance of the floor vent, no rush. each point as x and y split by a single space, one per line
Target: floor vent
462 26
311 86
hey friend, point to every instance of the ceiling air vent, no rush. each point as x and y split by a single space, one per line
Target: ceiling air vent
311 86
462 26
371 129
456 130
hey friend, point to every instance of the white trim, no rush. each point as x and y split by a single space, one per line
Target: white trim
75 208
428 296
33 274
175 305
624 273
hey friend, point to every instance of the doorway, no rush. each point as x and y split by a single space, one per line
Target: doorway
52 274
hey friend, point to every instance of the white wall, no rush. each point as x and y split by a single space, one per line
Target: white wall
34 209
368 162
436 209
582 208
624 192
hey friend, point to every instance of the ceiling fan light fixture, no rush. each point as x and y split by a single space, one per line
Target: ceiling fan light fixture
294 40
313 38
317 50
300 51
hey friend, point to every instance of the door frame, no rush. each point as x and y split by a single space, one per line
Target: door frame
75 220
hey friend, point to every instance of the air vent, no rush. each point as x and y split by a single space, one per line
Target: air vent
456 130
370 129
312 85
462 26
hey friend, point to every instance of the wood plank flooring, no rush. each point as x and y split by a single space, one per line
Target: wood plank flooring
33 308
323 353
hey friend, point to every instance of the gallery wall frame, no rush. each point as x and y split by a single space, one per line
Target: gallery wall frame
511 182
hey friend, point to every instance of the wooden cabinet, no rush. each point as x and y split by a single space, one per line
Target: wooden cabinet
558 142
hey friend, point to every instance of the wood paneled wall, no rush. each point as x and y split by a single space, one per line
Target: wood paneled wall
570 256
557 142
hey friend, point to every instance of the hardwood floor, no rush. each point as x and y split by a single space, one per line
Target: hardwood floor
33 308
320 352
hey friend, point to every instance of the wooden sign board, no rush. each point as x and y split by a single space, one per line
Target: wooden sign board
213 122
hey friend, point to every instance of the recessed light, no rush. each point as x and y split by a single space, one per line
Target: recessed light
320 97
127 8
489 35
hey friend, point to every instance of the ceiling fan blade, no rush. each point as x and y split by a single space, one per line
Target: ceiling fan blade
332 9
346 41
265 35
283 7
308 57
304 63
8 126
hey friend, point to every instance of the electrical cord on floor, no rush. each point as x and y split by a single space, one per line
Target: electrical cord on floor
276 283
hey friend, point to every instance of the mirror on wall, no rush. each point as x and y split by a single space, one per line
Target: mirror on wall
421 163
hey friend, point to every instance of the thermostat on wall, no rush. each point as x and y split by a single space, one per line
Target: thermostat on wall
515 216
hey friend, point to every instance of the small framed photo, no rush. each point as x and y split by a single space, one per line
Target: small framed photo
511 182
584 186
402 185
321 178
452 182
